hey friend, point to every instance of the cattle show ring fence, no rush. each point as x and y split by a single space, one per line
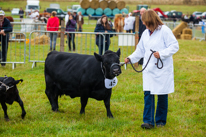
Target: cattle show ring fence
30 41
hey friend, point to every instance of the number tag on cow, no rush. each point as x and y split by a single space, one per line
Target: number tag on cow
110 83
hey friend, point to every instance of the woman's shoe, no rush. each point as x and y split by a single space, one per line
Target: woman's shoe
147 126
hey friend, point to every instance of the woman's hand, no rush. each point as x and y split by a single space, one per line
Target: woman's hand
126 60
156 54
106 31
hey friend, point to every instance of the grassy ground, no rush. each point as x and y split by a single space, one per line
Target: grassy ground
186 113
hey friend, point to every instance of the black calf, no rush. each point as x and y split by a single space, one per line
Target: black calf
9 93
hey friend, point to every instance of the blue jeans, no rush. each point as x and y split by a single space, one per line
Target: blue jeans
53 37
101 48
149 108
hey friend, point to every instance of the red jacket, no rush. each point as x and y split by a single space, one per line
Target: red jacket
53 24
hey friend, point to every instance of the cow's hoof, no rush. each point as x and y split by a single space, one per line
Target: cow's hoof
81 113
110 116
23 115
7 119
55 110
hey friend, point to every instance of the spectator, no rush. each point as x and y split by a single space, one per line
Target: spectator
53 25
21 14
67 17
174 17
160 82
126 23
80 21
197 20
191 19
103 26
142 28
75 16
70 27
5 27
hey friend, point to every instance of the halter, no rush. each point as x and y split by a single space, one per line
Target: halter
7 87
111 68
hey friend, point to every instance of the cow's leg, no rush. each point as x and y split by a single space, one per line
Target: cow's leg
22 107
3 104
50 92
107 105
83 104
55 105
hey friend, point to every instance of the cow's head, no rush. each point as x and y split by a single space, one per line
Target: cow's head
110 63
8 83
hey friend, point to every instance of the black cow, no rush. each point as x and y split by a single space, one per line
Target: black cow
9 93
79 75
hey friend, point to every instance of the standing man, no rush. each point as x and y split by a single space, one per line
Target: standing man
80 21
21 14
142 27
5 26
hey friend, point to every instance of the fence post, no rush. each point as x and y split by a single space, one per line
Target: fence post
136 30
136 34
62 36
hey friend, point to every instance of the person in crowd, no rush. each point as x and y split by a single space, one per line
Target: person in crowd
53 25
67 17
126 23
5 27
21 14
142 28
174 17
191 19
74 16
103 26
197 20
80 21
70 27
160 82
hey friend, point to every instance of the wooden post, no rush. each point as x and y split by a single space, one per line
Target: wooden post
136 30
136 35
62 36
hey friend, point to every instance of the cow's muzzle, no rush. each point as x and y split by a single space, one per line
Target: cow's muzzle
115 69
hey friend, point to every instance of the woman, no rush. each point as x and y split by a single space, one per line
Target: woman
70 27
53 25
103 26
160 82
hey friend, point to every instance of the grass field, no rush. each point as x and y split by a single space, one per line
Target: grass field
186 113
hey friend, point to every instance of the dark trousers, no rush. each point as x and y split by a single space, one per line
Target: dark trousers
4 47
101 48
70 38
149 109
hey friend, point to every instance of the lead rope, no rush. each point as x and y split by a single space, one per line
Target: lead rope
148 62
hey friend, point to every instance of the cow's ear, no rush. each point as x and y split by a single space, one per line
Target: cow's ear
17 81
98 57
118 52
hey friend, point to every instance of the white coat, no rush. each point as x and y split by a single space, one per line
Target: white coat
66 19
129 21
126 23
157 81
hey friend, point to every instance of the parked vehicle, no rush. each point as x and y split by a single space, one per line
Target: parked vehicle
60 12
204 15
32 4
15 11
178 14
197 14
73 8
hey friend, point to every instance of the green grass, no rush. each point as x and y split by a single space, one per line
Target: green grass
186 113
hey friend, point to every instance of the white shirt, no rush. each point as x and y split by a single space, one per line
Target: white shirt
157 81
80 17
66 19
